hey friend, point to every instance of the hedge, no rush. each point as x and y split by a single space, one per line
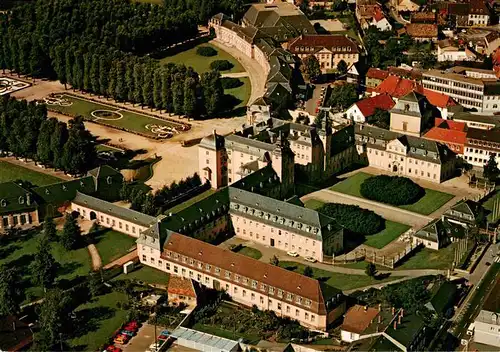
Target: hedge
206 51
230 82
221 65
354 218
395 190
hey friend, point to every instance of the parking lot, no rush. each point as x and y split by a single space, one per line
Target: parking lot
144 338
312 104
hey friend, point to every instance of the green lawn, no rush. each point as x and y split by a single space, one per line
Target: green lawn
191 201
241 93
488 205
391 231
147 274
426 258
107 148
430 202
343 282
11 172
228 334
101 318
113 245
379 240
202 63
250 252
20 253
131 120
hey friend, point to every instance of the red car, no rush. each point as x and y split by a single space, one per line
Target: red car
112 348
130 328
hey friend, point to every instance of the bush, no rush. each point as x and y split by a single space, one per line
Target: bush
354 218
230 82
206 51
221 65
393 190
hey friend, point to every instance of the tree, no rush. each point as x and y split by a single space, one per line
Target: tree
370 270
490 170
355 219
343 96
49 228
10 292
157 86
57 142
147 87
71 233
95 284
311 67
308 271
138 82
342 67
44 152
274 260
44 267
148 205
395 190
380 118
190 97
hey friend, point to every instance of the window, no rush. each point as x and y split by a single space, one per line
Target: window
306 316
168 266
261 300
176 269
227 275
254 284
152 260
279 306
289 296
160 263
207 281
144 258
313 317
280 293
236 277
217 271
133 229
244 293
297 312
235 290
288 309
207 267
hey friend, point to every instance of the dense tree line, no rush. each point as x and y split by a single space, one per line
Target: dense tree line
93 46
207 8
159 202
395 190
353 218
26 132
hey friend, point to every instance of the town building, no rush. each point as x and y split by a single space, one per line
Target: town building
423 17
487 323
360 111
396 87
422 32
365 10
472 88
432 236
377 20
482 41
449 132
479 121
182 290
248 281
412 114
472 13
480 145
375 76
405 155
328 49
452 50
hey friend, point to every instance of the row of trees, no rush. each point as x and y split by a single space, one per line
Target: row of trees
26 132
159 202
207 8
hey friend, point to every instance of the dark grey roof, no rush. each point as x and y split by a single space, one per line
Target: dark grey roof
234 140
375 132
213 141
433 231
491 88
14 198
114 210
473 117
484 135
288 216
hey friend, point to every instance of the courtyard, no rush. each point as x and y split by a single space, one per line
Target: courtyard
112 245
429 203
113 116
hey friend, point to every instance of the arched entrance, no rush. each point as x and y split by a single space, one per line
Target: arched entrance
394 168
93 215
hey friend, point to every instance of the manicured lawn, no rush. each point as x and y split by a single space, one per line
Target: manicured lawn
20 253
130 120
106 148
341 281
379 240
113 245
430 202
241 93
488 205
232 335
202 63
11 172
430 259
100 319
147 274
392 231
191 201
250 252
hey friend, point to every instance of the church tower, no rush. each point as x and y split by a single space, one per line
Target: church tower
283 163
325 135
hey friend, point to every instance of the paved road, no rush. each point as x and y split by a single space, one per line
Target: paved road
384 210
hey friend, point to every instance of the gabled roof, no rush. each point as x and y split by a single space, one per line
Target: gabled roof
377 73
334 43
422 30
369 105
103 171
468 207
213 141
437 99
433 231
446 135
358 318
65 191
396 87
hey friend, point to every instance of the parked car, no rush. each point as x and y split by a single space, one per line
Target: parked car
310 259
292 254
163 337
121 339
112 348
128 332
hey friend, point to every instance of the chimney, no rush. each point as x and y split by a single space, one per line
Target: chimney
399 319
215 132
392 310
379 318
365 308
379 307
395 325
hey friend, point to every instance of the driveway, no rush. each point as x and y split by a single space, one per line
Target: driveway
311 104
144 338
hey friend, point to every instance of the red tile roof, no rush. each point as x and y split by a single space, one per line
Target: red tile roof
378 15
422 30
437 99
181 286
397 87
367 106
450 124
449 132
377 73
358 318
335 43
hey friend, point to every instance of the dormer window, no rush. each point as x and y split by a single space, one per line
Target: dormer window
3 203
21 200
109 180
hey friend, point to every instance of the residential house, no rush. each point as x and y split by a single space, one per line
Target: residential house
423 17
396 87
482 41
487 323
377 20
375 76
365 10
328 49
471 13
183 291
451 133
452 50
360 111
422 32
465 213
432 236
443 295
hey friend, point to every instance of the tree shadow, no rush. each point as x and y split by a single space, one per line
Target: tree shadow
382 276
90 319
68 268
22 262
164 53
66 284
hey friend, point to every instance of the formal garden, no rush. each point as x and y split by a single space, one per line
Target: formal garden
361 225
13 172
425 202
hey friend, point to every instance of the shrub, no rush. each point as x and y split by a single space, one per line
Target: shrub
354 218
230 82
393 190
206 51
221 65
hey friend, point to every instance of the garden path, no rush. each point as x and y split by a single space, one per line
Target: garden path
235 75
122 260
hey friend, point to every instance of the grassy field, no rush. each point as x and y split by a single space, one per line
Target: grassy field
131 120
379 240
100 318
191 201
202 63
11 172
489 204
20 252
343 282
147 274
250 252
241 93
430 202
426 258
113 245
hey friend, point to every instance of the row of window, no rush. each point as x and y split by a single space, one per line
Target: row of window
251 222
17 219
